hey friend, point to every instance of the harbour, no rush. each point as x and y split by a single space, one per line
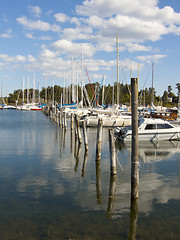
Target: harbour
52 188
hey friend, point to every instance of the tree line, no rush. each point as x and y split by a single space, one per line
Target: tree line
106 95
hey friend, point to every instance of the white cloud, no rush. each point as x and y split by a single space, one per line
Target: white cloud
7 58
61 17
151 58
7 34
37 25
74 49
131 20
31 58
35 10
31 36
134 47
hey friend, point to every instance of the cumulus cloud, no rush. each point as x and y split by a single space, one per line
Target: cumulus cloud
7 58
132 20
7 34
61 17
37 25
151 58
74 49
35 10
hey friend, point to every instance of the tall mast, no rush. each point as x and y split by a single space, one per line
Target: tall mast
103 91
117 72
82 74
77 82
34 89
46 92
72 69
152 98
28 91
23 91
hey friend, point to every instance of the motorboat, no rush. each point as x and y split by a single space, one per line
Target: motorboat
150 129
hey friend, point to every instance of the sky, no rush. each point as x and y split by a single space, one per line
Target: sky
50 40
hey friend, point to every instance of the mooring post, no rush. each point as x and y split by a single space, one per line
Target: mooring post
78 130
85 135
65 122
72 119
99 139
60 117
112 152
134 145
75 120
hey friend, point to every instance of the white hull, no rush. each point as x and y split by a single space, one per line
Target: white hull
109 121
151 130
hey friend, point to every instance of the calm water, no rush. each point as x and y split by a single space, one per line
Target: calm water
51 189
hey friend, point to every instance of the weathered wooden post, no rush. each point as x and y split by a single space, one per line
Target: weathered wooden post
65 122
134 145
98 182
85 135
76 134
78 130
60 117
72 119
112 152
99 139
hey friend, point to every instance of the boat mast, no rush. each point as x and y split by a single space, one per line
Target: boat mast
34 89
152 98
82 74
117 72
28 91
23 91
77 82
103 90
46 92
72 69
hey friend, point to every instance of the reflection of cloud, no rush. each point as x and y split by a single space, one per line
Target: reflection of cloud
29 182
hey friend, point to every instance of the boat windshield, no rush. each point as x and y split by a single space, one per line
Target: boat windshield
164 126
150 126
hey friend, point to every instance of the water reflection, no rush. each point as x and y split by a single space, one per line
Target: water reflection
112 191
40 183
133 219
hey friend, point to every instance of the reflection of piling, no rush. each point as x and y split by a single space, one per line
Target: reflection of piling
134 145
75 146
112 190
71 142
133 219
98 182
112 152
84 163
85 135
99 139
77 157
64 139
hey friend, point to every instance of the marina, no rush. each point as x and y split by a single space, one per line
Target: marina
52 188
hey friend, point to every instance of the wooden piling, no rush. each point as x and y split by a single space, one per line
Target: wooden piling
99 139
112 152
134 145
65 122
85 135
78 129
72 119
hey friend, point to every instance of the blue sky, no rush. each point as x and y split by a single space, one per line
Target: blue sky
43 36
